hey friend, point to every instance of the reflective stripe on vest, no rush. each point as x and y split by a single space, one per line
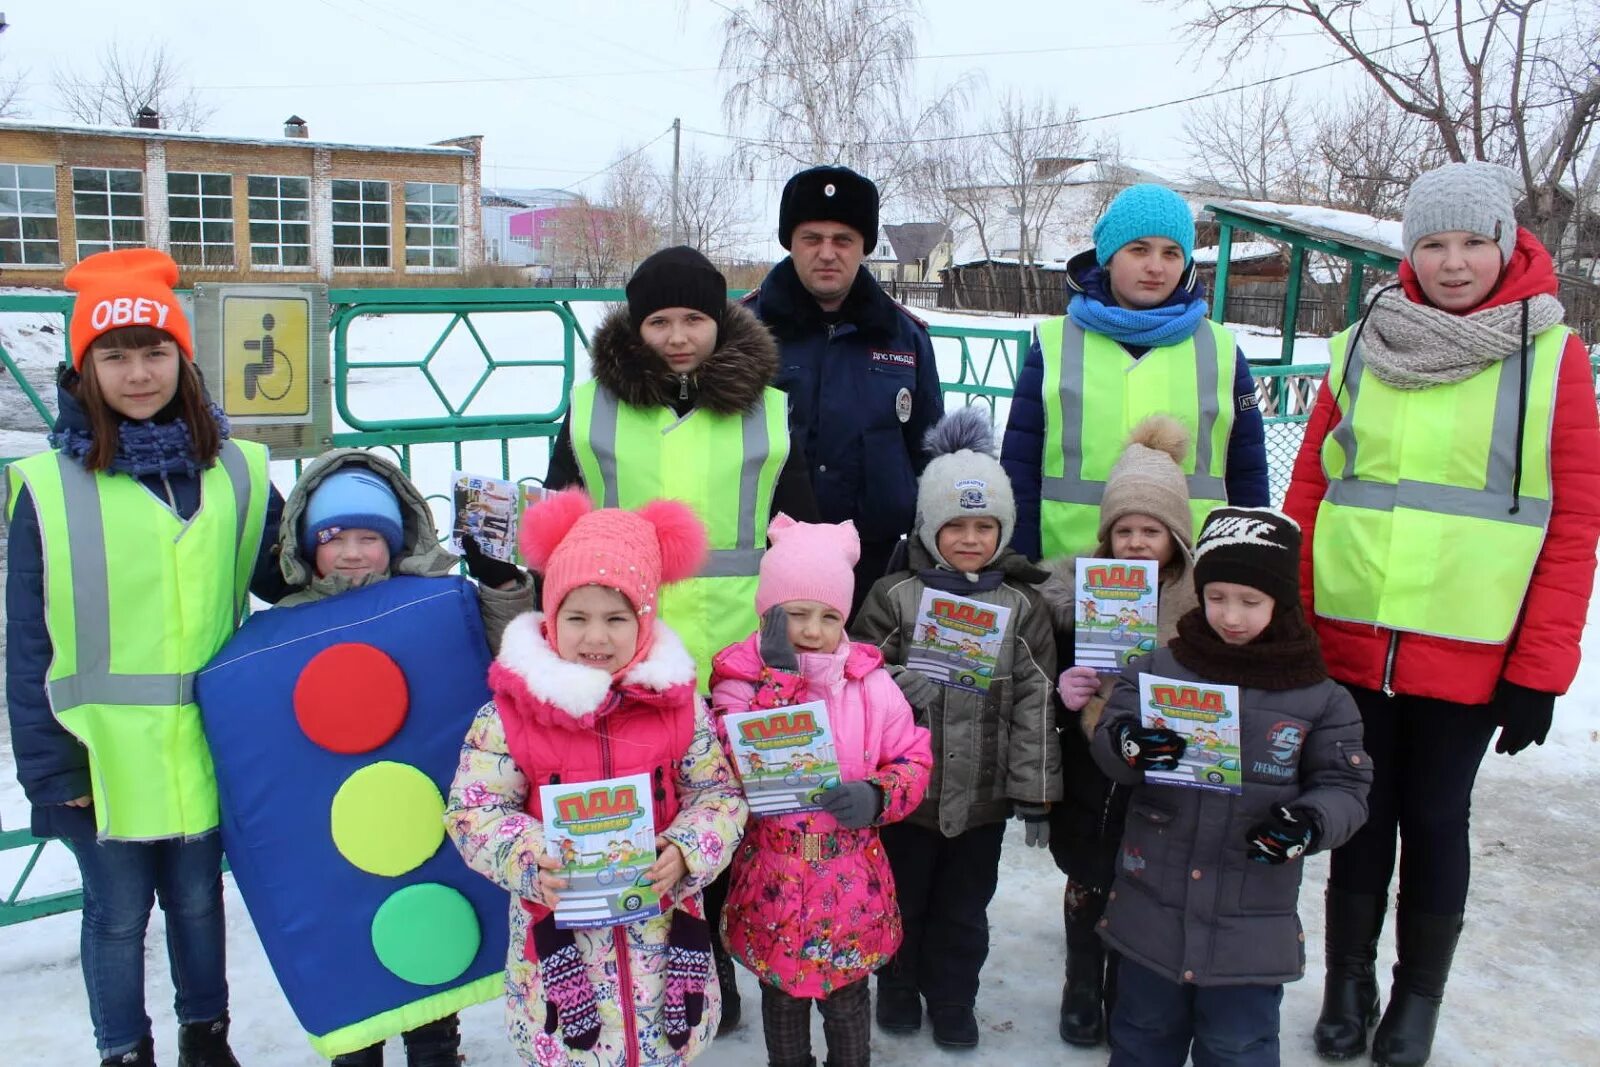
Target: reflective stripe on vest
1095 393
692 459
1423 527
161 607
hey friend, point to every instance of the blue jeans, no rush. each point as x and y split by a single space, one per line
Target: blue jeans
1155 1021
121 879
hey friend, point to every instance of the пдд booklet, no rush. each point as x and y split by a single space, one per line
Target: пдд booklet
604 833
784 756
957 640
1208 717
1114 612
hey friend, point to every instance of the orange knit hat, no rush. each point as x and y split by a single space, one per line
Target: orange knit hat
128 287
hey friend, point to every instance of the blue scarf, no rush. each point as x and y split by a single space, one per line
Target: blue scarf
143 447
1174 319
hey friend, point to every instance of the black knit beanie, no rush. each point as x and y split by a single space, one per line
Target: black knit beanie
830 194
1258 547
677 277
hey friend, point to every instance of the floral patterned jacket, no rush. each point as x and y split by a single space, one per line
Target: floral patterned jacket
487 819
812 906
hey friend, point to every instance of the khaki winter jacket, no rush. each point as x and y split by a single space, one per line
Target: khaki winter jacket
422 556
989 749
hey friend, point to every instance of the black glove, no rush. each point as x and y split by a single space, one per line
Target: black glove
1282 837
1036 823
920 691
854 805
1150 748
486 569
1524 716
776 651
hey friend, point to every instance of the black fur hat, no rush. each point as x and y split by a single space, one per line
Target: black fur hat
830 194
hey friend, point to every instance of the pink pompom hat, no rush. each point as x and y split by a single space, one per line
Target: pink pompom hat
572 544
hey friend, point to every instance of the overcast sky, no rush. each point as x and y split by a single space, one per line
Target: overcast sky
557 87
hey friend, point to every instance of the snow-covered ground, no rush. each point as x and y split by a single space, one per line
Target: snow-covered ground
1520 992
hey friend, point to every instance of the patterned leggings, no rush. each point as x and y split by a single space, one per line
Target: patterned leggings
846 1023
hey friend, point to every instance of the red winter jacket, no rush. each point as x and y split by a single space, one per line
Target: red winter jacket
1543 651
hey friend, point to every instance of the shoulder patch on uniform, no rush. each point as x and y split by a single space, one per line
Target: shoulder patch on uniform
1248 402
908 313
750 296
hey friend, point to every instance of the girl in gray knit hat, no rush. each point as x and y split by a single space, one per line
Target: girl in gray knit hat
1144 514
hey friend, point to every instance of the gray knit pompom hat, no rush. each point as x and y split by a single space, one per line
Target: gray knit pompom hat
963 479
1475 197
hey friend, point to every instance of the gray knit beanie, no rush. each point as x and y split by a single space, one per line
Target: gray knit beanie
1148 479
963 479
1475 197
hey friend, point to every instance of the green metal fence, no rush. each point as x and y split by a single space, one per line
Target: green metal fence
984 363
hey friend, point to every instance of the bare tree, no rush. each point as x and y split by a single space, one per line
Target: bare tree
634 204
714 213
122 82
830 81
1511 82
1034 146
1260 141
1369 151
11 96
584 238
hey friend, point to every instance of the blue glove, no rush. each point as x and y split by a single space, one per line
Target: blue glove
1150 748
854 805
1284 836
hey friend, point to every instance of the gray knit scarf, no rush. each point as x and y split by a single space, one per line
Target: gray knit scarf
1413 346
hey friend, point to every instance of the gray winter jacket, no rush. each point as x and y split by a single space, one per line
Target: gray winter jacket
1188 902
422 556
989 749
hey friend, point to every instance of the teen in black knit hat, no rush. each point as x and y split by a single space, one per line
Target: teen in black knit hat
676 277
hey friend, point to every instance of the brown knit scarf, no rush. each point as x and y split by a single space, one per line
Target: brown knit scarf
1285 655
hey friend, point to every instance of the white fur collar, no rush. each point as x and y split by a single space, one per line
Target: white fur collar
579 690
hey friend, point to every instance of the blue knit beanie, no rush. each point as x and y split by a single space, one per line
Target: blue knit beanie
353 499
1144 211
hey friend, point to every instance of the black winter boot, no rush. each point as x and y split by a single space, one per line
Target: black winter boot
898 1008
143 1056
954 1025
371 1056
435 1044
1082 997
1350 989
727 977
205 1044
1427 944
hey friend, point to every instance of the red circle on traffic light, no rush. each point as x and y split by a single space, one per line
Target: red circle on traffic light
351 698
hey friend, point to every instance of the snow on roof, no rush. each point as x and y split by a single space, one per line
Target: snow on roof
1013 261
1351 227
1239 252
143 134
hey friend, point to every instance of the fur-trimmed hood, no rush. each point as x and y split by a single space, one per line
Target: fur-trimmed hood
729 382
540 684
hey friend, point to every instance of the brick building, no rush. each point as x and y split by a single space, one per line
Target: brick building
238 208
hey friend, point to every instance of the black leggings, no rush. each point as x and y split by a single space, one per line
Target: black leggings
1425 756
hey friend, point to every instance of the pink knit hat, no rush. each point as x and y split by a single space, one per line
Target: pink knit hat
809 561
633 552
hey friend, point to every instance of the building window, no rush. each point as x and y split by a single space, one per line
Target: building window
200 209
28 215
280 221
360 223
109 208
433 225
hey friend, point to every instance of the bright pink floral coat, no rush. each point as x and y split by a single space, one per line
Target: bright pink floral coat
810 927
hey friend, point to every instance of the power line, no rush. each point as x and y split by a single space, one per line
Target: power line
616 162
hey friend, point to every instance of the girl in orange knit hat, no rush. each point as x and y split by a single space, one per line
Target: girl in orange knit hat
133 543
597 687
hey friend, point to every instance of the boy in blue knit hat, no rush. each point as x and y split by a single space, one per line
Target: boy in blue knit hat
1135 342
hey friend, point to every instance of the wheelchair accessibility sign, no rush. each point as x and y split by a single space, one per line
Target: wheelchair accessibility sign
266 355
264 352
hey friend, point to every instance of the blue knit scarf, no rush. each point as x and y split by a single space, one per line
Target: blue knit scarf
1149 327
143 447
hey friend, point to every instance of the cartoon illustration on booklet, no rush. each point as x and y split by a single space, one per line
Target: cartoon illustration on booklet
604 834
1115 616
1208 716
784 756
957 640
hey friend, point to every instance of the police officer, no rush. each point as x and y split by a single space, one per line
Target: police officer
858 367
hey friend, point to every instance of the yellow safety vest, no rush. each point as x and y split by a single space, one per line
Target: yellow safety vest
723 466
1095 393
1424 527
137 600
